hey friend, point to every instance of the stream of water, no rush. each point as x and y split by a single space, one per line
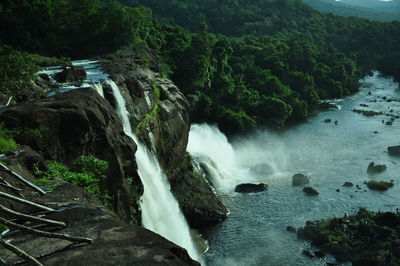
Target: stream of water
330 154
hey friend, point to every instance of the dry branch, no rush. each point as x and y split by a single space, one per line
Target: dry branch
26 202
22 179
30 218
19 252
44 233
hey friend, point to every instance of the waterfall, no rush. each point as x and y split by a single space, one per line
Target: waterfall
227 165
160 210
210 148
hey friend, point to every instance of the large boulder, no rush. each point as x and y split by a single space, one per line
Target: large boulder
394 150
251 188
300 180
376 169
80 122
310 191
72 74
114 242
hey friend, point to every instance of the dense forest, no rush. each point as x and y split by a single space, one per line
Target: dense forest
240 63
349 11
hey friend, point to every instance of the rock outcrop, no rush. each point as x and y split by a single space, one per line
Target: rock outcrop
114 242
251 188
160 118
80 122
376 168
394 150
300 180
72 74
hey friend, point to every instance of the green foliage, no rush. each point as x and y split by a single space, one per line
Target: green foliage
3 228
7 143
87 172
379 185
17 71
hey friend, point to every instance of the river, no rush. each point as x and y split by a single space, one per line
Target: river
330 154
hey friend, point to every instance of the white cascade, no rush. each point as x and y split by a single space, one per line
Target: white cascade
210 147
160 210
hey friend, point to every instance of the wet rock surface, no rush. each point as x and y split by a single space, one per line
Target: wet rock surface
251 188
80 122
114 241
300 180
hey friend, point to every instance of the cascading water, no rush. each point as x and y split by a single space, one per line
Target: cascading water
160 210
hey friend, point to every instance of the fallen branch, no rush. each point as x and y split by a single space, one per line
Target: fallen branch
19 252
10 187
16 190
26 202
22 179
31 218
44 233
9 101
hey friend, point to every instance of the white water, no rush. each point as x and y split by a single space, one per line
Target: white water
160 210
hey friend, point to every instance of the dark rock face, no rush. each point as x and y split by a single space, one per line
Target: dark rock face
394 150
114 242
300 180
76 123
262 169
71 74
376 169
251 188
310 191
348 184
160 119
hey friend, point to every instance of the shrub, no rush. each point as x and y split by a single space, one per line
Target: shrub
87 172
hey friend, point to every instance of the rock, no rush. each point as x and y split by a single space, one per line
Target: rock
300 180
376 169
44 77
328 120
379 185
308 253
327 106
262 169
166 133
347 184
72 74
291 229
251 188
389 123
394 150
337 190
310 191
387 219
80 122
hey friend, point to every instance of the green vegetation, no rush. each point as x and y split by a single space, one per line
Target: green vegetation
7 143
16 73
87 172
366 238
379 185
241 63
3 227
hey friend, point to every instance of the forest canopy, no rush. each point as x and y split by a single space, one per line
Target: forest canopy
241 63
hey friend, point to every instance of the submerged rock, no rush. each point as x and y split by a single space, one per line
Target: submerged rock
300 180
348 184
310 191
376 169
72 74
262 169
251 188
394 150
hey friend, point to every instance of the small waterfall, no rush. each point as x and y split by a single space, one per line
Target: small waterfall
160 210
210 148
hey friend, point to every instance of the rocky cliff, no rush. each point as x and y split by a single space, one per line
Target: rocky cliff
160 117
